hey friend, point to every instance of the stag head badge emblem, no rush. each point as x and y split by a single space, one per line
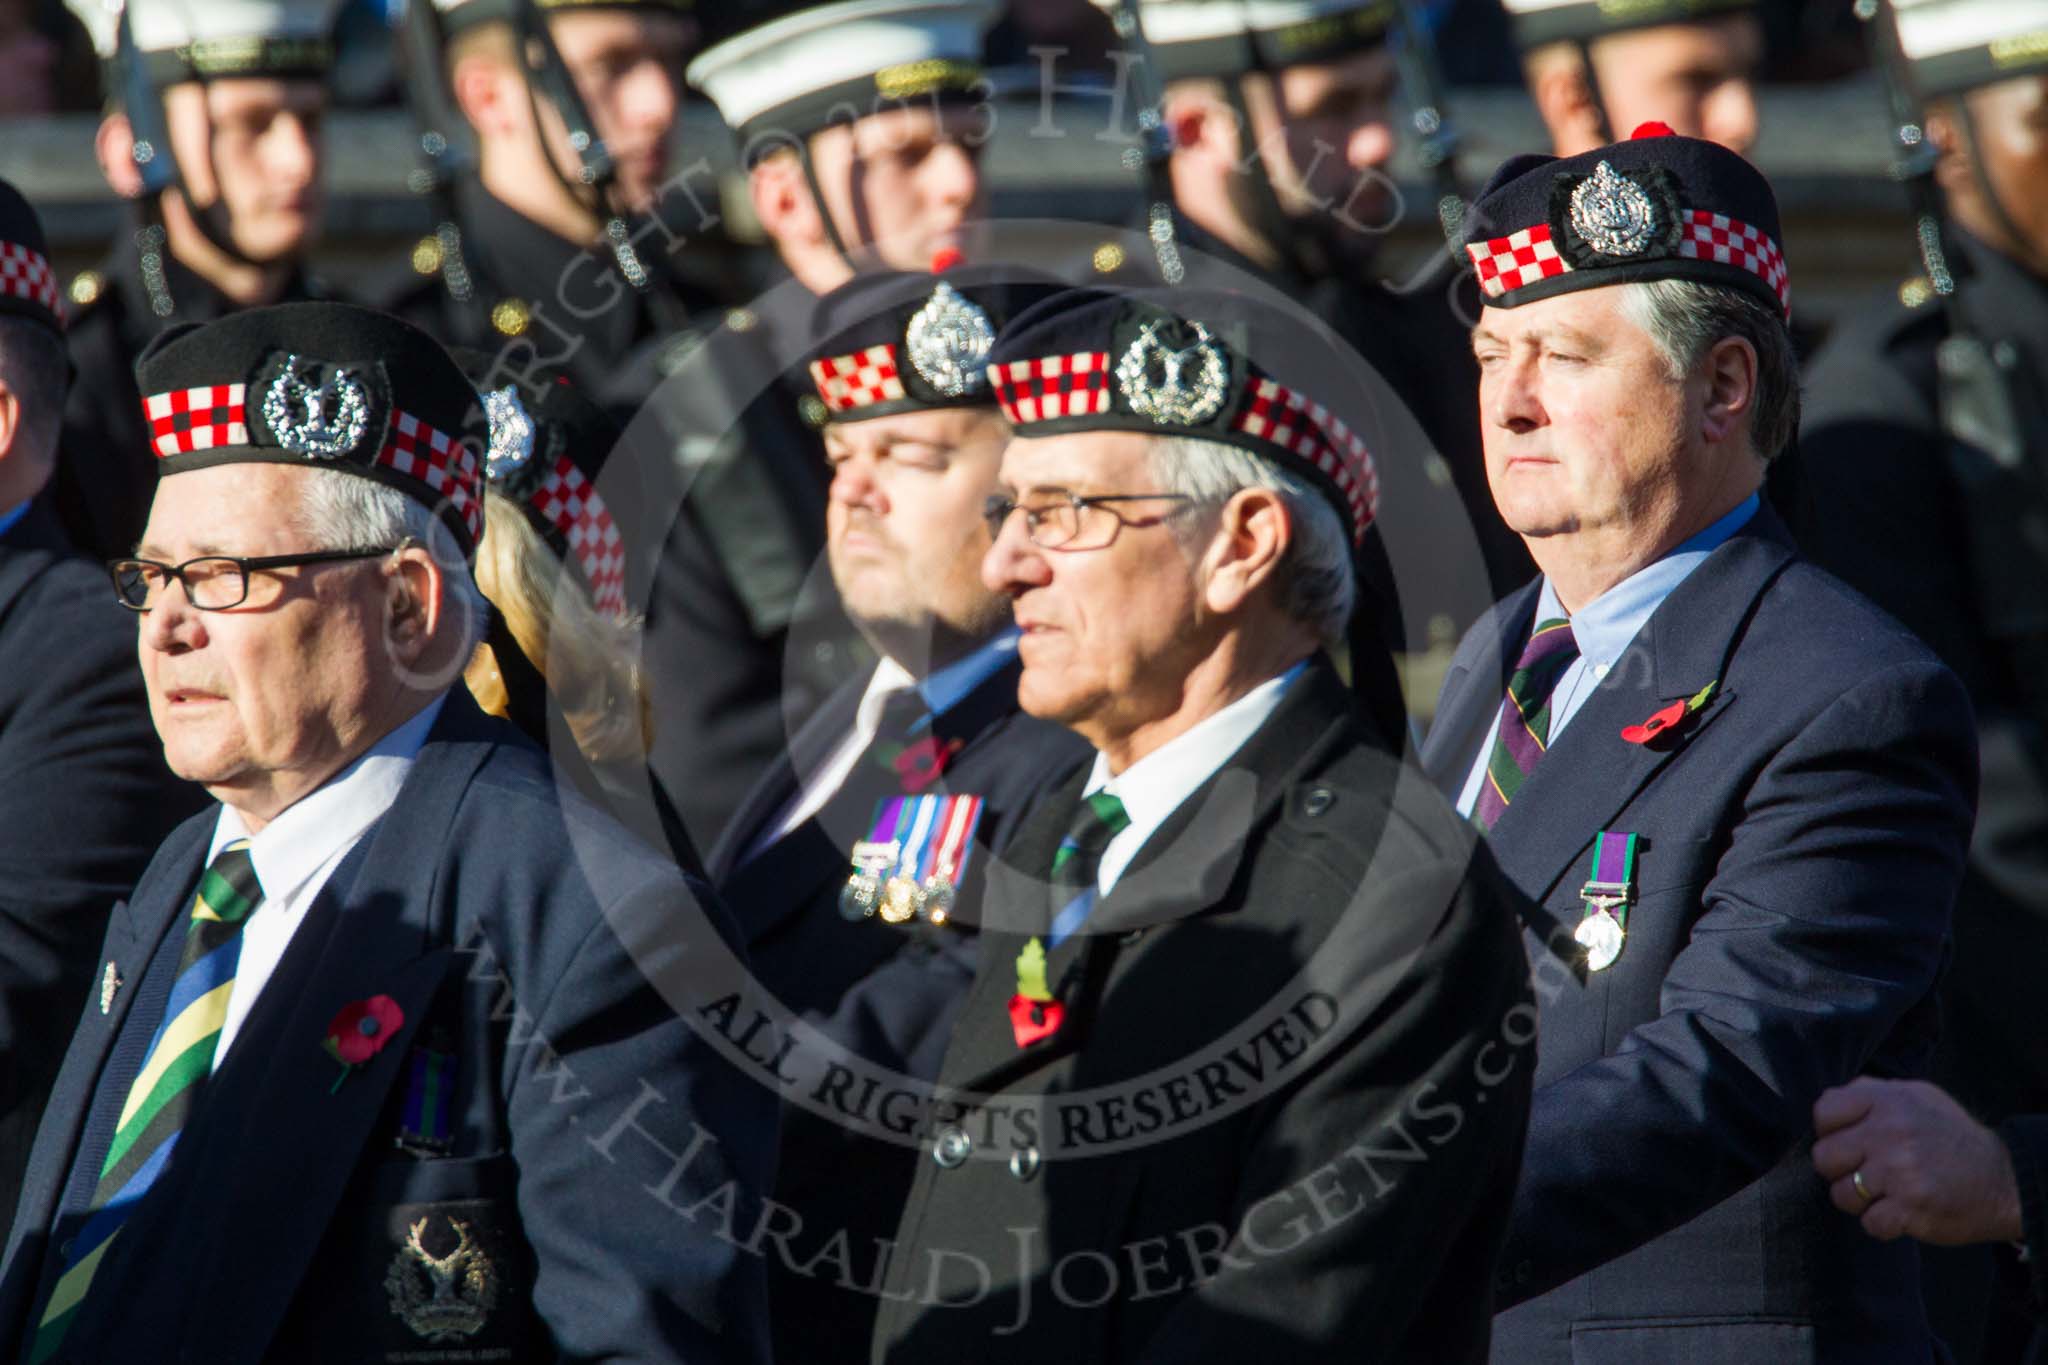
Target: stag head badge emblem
442 1298
315 409
1613 214
949 340
1183 387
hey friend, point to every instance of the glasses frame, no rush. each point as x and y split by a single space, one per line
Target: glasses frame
997 510
247 564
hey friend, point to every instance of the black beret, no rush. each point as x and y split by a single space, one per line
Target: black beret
327 385
28 287
905 341
545 446
1656 207
1192 362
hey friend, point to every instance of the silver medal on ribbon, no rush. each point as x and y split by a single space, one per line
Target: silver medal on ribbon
1601 935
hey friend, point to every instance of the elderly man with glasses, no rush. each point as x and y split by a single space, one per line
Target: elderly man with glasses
393 1010
1244 1072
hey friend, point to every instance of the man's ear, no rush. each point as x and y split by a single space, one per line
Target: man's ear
1952 153
10 420
1253 531
114 146
484 89
1201 121
782 199
415 601
1731 368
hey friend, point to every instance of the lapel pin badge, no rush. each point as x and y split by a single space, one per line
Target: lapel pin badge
110 985
1034 1013
1671 718
360 1031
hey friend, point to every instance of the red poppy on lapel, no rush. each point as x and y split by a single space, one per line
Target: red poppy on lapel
1031 1020
360 1031
1667 721
923 763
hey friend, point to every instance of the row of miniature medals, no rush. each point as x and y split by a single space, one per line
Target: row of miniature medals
918 843
912 860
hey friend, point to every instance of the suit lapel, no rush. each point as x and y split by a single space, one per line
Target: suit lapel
1591 774
275 1121
135 930
1184 870
808 750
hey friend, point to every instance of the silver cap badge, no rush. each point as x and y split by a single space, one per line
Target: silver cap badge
511 433
1177 397
1613 214
324 419
949 340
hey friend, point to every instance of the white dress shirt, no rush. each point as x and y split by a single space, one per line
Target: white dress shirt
1154 787
941 691
298 851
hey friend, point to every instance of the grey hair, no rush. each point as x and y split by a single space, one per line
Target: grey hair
1315 576
343 511
1684 318
32 364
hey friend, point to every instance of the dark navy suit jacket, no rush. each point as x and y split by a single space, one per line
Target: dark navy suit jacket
554 959
1802 841
888 994
85 799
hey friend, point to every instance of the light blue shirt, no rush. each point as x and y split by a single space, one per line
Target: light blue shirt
13 515
1604 628
949 686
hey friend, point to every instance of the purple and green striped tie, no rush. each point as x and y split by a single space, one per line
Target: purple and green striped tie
161 1098
1099 819
1525 718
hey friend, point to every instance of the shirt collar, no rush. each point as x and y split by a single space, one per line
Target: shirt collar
317 826
947 687
1153 787
1604 626
12 517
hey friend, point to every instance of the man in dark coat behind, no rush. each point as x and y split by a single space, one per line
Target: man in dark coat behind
1942 519
84 794
926 752
400 1010
1738 794
1284 127
858 126
1243 1073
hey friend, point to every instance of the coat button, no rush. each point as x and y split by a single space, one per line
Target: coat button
951 1147
1318 800
1024 1162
